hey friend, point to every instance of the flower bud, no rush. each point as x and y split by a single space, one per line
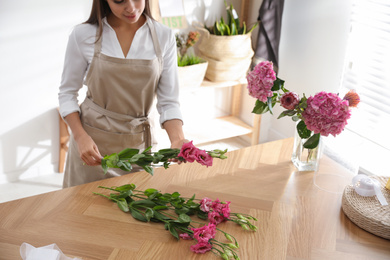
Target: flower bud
224 256
240 216
244 226
228 237
232 246
252 227
228 253
236 257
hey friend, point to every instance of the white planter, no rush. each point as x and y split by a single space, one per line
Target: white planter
193 75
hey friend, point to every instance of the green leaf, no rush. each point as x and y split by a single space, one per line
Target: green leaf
202 215
122 204
127 153
183 218
175 195
278 84
303 132
143 203
260 107
138 215
160 207
149 213
148 169
270 104
126 166
149 191
182 210
173 231
312 142
125 187
147 150
136 157
287 113
104 166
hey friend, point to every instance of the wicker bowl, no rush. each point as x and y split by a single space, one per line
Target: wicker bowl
367 212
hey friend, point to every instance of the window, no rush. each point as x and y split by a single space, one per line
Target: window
367 70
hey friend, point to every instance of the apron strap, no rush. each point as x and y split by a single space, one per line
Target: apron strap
156 43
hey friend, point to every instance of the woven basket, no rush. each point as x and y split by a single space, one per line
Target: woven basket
367 212
192 76
229 57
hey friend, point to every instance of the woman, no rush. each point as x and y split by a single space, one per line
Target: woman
126 59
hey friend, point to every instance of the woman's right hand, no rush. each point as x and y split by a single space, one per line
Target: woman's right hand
88 150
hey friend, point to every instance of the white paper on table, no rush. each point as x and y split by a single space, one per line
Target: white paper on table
49 252
171 8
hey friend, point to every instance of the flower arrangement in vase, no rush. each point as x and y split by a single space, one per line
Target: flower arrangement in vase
191 68
319 115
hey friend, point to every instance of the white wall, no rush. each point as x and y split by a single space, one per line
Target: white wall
33 37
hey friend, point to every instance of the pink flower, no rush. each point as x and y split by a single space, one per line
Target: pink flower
205 233
326 113
215 218
189 152
185 236
353 98
201 247
204 158
289 100
205 204
260 81
222 208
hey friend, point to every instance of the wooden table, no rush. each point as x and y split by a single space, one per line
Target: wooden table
296 220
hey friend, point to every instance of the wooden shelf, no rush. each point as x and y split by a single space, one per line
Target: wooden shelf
216 129
223 127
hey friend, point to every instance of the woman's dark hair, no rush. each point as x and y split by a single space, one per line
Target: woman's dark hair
101 9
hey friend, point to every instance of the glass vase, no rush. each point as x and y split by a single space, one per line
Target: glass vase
305 159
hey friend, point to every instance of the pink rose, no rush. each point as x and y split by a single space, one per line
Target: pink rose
201 247
205 233
204 158
289 100
205 204
189 152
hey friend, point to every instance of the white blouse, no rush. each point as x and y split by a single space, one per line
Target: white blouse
79 55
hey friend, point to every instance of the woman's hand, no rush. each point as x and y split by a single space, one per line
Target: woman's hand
88 150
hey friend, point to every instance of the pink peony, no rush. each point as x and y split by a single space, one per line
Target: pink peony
326 113
201 247
185 236
204 158
189 152
205 204
205 233
289 100
260 81
215 218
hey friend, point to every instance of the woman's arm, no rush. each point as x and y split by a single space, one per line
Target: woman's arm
174 129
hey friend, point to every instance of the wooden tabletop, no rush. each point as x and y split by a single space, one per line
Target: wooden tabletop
296 219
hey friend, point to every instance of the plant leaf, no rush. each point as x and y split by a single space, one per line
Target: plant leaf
312 142
260 107
138 215
303 132
122 204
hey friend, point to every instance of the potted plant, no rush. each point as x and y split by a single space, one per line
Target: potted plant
227 46
191 68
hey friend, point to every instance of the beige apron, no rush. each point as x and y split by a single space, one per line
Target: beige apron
115 112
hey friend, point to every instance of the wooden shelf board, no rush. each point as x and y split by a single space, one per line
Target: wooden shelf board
216 129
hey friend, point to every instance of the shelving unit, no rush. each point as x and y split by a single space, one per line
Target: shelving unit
227 126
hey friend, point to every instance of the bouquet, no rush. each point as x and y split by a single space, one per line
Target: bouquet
321 114
175 213
148 159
